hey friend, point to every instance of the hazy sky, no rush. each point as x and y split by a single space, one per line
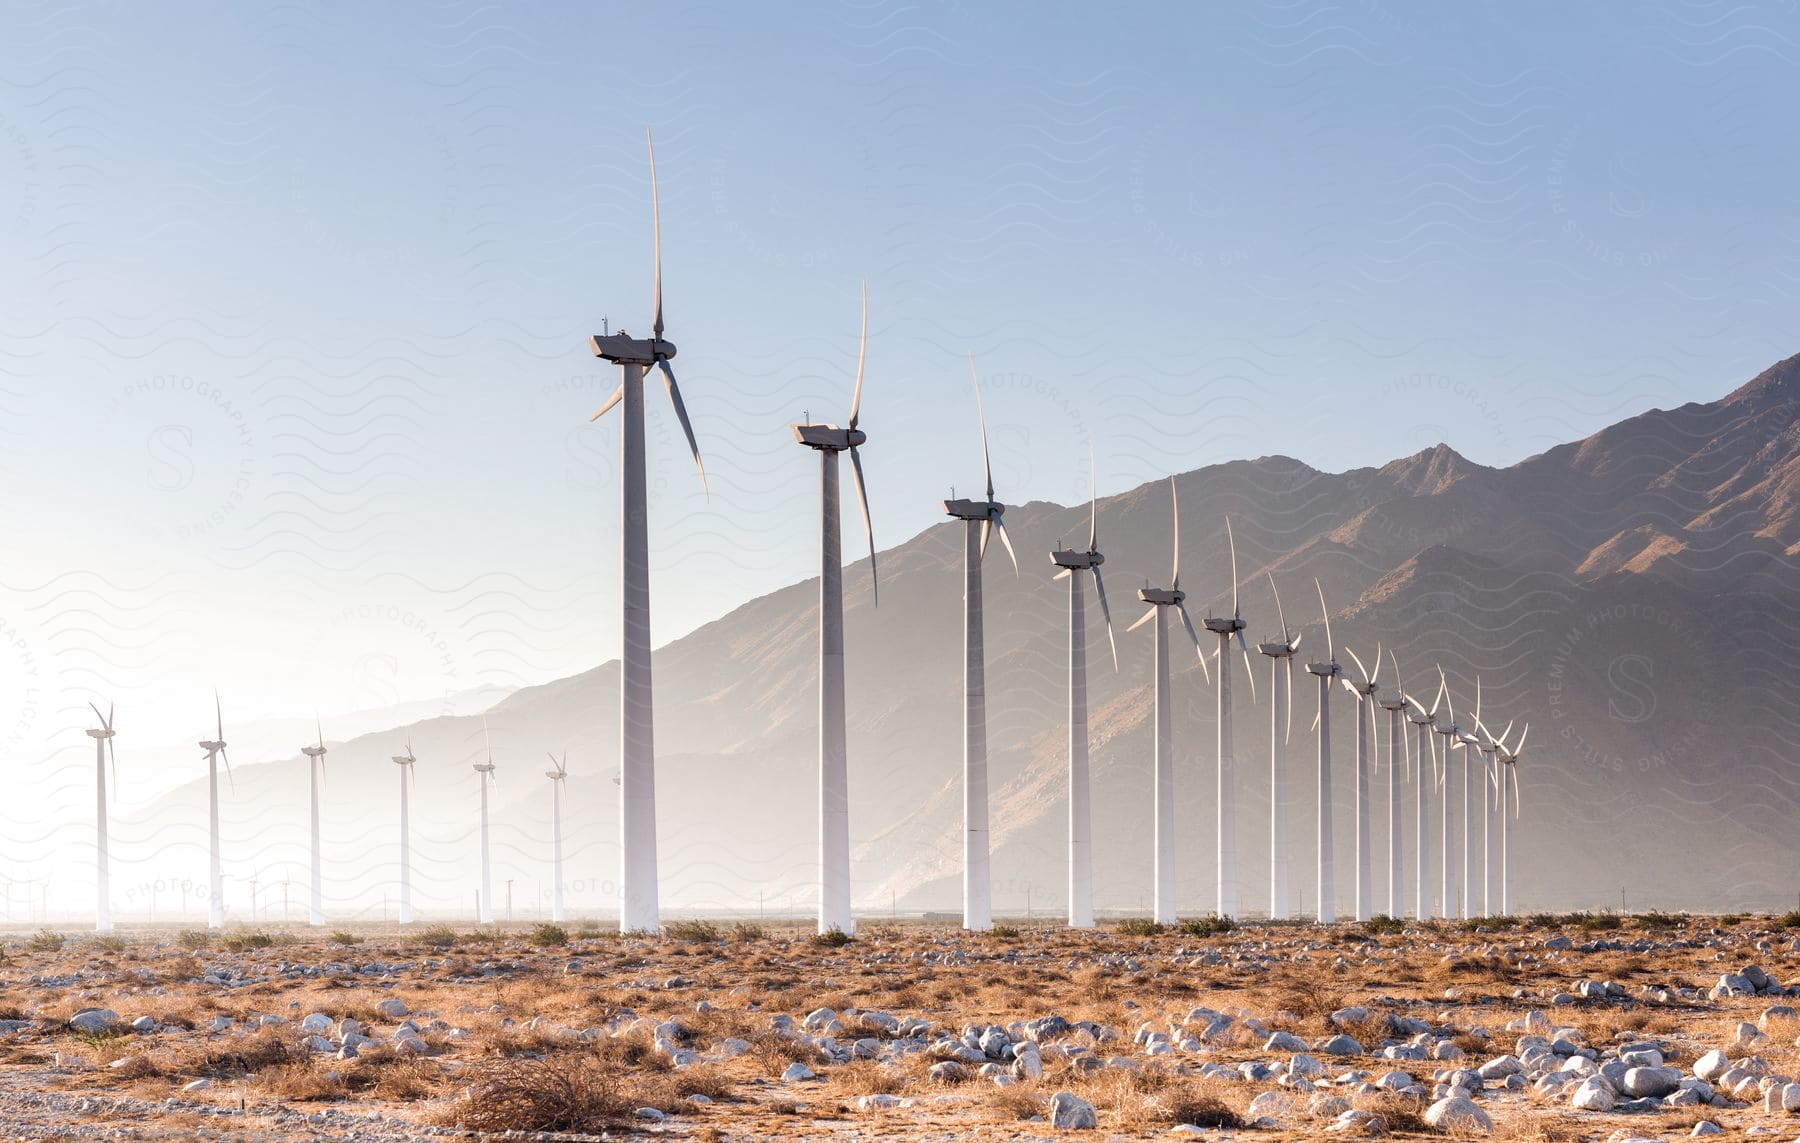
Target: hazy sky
292 334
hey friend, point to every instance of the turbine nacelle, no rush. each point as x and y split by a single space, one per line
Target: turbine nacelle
1079 561
212 747
1277 649
966 509
1162 597
97 732
1228 626
829 438
313 751
1325 670
1397 702
403 760
623 349
484 767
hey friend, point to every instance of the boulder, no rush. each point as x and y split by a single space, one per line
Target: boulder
1458 1113
1712 1065
144 1024
798 1072
1647 1082
393 1008
95 1021
1341 1046
1593 1094
1284 1042
1269 1105
1072 1113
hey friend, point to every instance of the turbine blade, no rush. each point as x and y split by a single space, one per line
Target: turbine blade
220 713
1145 618
112 758
682 416
1288 734
1515 750
1188 622
862 354
1330 647
319 728
1315 724
1349 686
1279 613
1232 541
862 500
617 396
1364 671
1294 643
1094 503
1106 614
987 461
1376 677
1450 702
656 231
1249 671
1478 699
1000 526
225 758
98 715
1175 510
1064 574
987 529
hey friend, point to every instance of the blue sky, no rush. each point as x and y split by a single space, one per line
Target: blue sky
292 344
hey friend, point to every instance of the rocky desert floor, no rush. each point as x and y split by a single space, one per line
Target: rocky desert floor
1556 1028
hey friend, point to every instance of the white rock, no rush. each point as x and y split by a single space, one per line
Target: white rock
877 1102
1593 1094
1072 1113
798 1072
1458 1113
317 1022
1641 1082
200 1084
95 1021
1706 1127
1269 1105
1712 1065
393 1008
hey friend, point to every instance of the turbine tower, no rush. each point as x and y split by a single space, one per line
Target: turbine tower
1424 747
834 783
1509 758
1225 800
1489 748
1365 856
485 770
1395 705
1281 727
1467 740
1326 672
638 911
981 518
559 771
215 753
315 770
103 749
1452 736
1081 826
405 762
1163 823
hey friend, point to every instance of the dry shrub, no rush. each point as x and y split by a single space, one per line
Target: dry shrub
1018 1101
576 1093
1199 1104
1403 1116
1312 998
247 1055
866 1077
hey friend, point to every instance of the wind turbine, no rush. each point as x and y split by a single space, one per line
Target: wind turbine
1365 702
1326 672
1509 758
638 911
1466 740
1489 748
1281 726
981 518
834 783
103 749
1226 798
315 769
1163 828
485 770
405 762
1421 720
215 753
1081 830
1395 705
1452 736
559 771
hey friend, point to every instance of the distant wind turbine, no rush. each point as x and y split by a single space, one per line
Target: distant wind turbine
485 770
1365 856
635 357
1489 748
1281 727
405 762
558 772
215 753
1424 749
1509 758
834 783
103 750
1225 802
982 518
315 769
1326 672
1452 736
1163 822
1395 705
1081 826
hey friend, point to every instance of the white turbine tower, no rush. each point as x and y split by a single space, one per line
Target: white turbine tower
485 772
1489 748
1326 672
1452 736
1225 800
1281 727
982 518
828 441
315 770
1395 705
1472 906
215 753
1424 757
1509 758
103 749
557 773
1081 825
638 910
1163 822
1365 852
405 762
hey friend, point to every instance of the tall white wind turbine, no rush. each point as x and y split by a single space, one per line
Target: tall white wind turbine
215 872
828 440
1473 906
1281 727
1447 729
1509 758
315 770
982 518
1424 761
635 357
1395 705
1225 799
1325 672
103 749
1489 747
1365 705
557 773
1163 821
1081 824
485 772
405 762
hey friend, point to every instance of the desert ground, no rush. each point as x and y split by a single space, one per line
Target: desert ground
1577 1027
